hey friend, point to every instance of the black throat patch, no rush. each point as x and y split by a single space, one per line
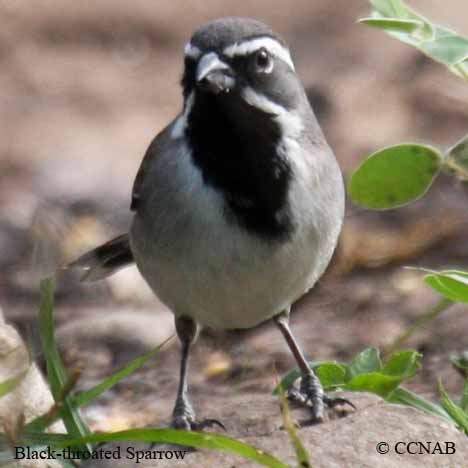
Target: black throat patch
236 148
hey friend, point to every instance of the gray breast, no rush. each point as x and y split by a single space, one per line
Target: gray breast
201 265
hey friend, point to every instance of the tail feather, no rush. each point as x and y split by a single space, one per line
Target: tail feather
105 260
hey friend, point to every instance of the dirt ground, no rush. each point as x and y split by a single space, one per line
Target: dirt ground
84 86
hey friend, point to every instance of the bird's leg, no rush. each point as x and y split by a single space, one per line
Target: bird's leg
310 390
183 415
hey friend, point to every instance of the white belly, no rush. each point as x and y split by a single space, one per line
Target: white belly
212 270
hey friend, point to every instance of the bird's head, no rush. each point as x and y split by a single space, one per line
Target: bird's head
240 67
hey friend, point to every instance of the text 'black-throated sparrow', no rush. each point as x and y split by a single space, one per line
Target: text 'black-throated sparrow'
238 202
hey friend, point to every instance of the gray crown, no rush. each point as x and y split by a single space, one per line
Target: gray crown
218 34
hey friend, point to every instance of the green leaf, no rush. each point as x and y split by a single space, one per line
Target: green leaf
374 382
402 396
398 10
390 8
456 412
56 374
442 31
288 380
366 372
394 176
437 42
452 284
10 384
403 364
366 361
448 50
392 24
331 374
383 8
172 436
457 158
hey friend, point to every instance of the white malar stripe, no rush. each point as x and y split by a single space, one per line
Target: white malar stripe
271 45
290 122
192 51
178 130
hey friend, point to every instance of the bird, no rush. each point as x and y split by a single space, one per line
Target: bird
238 203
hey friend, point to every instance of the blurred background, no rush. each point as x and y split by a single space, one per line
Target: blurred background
85 86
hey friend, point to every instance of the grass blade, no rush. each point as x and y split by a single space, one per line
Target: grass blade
402 396
420 322
464 398
10 384
90 394
56 374
301 452
31 439
166 435
459 416
41 422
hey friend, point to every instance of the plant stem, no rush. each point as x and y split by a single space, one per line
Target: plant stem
460 67
460 171
430 315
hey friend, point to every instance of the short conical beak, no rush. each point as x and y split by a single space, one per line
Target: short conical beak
213 75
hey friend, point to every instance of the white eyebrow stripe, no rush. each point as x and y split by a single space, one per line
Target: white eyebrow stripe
192 51
248 47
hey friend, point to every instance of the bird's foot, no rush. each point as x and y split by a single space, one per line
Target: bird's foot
311 395
183 417
181 422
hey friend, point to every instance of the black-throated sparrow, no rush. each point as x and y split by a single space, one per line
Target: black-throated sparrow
238 202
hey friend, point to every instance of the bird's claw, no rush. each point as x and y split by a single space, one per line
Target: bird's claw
311 395
204 423
337 401
190 424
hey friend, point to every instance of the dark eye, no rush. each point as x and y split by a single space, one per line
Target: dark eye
263 61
